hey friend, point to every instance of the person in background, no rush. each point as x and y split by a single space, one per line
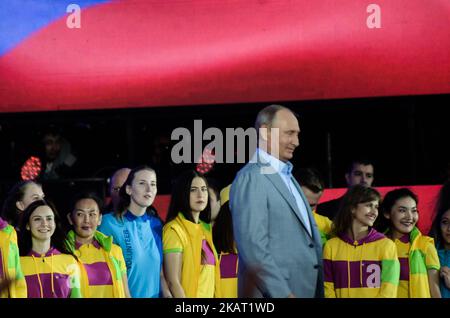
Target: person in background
58 160
12 281
190 259
440 230
117 180
419 262
360 171
49 267
104 266
21 195
223 238
360 262
138 231
214 198
312 186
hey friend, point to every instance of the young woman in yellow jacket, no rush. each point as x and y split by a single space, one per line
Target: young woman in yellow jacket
49 267
419 261
223 236
12 281
190 259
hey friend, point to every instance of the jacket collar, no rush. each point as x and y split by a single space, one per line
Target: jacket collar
131 217
51 251
3 224
372 236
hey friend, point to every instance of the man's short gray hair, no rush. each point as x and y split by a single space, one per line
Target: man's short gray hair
267 115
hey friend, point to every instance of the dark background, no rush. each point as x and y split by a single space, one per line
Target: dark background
407 137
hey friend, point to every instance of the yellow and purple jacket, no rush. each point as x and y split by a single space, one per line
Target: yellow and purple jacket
417 254
324 226
103 266
51 275
10 268
229 263
367 268
183 236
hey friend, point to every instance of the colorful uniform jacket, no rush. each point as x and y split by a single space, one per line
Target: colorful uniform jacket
417 254
361 269
228 263
324 226
10 268
191 237
51 275
103 266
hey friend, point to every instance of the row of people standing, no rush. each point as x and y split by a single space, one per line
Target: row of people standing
422 272
276 247
181 256
56 264
90 263
278 237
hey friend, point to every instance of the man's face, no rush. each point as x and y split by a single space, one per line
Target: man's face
52 145
117 181
360 174
285 140
312 197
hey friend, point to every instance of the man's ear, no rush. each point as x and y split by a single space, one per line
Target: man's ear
20 206
347 178
69 218
264 132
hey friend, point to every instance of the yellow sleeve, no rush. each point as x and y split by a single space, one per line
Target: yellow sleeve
328 271
118 255
18 288
171 241
74 270
432 258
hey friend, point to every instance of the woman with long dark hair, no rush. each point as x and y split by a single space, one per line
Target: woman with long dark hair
440 230
49 267
190 259
419 270
223 237
106 273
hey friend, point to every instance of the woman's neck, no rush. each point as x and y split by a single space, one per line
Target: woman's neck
84 240
446 246
40 247
358 231
195 216
395 235
136 209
